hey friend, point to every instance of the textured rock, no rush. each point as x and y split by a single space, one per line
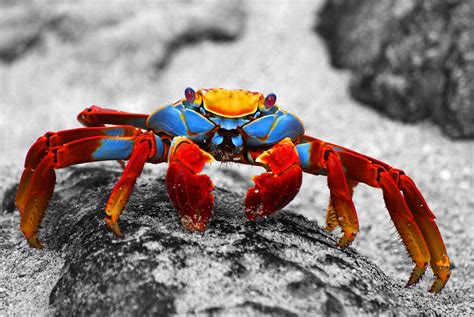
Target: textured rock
412 60
283 265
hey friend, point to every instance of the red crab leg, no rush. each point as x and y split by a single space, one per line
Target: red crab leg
343 210
276 188
409 212
189 192
37 184
143 150
52 139
96 116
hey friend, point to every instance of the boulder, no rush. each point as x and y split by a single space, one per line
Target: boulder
283 265
411 60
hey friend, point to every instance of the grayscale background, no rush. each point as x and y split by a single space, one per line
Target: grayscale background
58 57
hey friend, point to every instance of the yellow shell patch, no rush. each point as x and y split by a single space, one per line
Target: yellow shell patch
230 103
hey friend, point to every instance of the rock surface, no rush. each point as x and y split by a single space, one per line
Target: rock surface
284 265
412 60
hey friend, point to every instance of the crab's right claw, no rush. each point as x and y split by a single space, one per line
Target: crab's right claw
275 189
189 192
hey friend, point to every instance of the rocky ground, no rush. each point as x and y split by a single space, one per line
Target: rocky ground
72 61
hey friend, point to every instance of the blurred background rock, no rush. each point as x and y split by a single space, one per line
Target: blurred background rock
412 60
56 58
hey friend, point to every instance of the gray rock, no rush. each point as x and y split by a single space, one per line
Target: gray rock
122 29
412 60
21 27
283 265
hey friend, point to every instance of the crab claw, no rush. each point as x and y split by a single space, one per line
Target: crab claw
189 192
275 189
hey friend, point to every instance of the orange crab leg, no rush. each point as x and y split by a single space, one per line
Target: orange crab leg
189 191
276 188
406 226
440 263
409 212
37 184
96 117
36 199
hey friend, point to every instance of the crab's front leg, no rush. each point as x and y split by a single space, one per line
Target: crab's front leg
189 191
276 188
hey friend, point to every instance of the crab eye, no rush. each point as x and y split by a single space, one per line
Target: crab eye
189 94
270 100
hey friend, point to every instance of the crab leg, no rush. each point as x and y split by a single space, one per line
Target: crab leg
189 192
409 212
276 188
145 148
52 139
96 117
38 180
341 211
341 208
425 219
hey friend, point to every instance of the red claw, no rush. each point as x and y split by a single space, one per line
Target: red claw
189 192
275 189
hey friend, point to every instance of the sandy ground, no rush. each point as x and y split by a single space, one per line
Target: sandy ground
280 53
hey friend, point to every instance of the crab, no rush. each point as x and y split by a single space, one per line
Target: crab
229 125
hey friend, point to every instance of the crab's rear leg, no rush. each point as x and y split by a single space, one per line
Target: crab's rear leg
276 188
95 116
409 212
426 221
61 149
189 191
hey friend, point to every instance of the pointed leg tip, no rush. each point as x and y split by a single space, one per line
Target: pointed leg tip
437 286
347 239
345 242
416 275
34 242
114 227
441 278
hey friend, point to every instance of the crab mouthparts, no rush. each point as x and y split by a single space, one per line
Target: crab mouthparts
227 138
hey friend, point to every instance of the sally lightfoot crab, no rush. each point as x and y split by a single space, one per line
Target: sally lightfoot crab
229 125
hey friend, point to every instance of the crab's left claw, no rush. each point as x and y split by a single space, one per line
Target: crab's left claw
189 192
276 188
